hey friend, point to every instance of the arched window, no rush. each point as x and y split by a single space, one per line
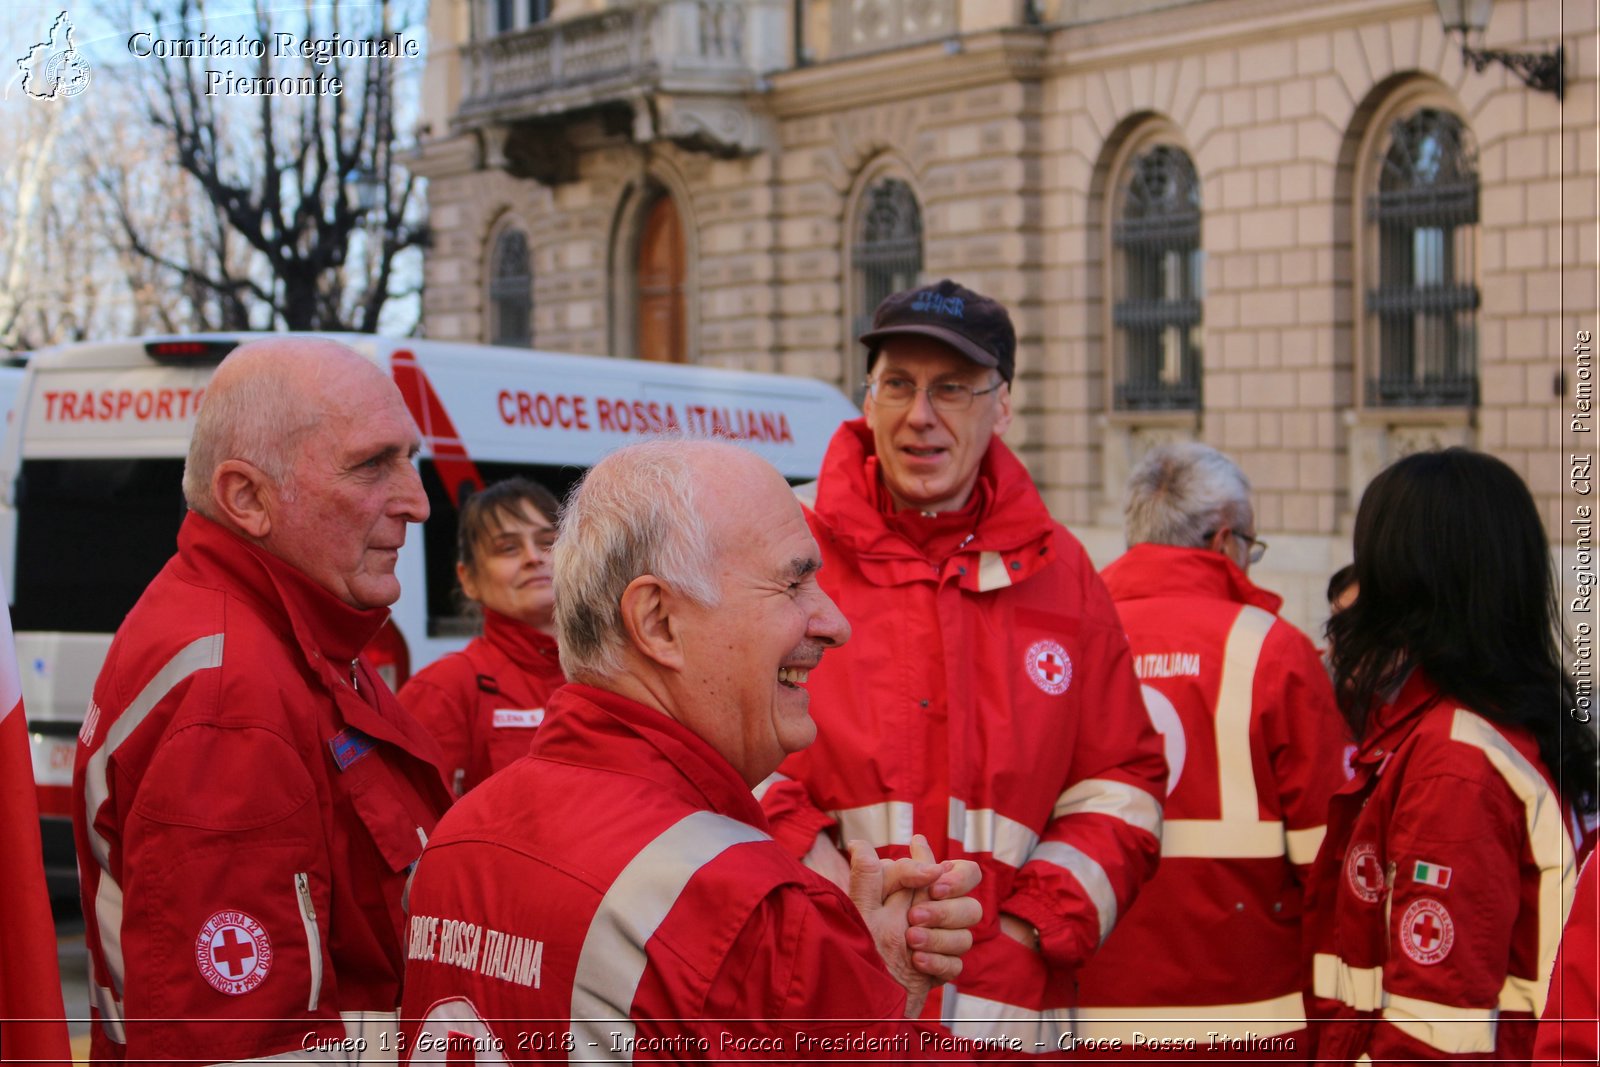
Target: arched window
1158 283
887 254
1421 228
511 291
660 284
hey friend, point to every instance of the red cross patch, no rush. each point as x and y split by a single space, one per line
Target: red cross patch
1364 873
1426 931
233 952
1049 666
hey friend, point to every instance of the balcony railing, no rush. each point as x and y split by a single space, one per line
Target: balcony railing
874 25
706 47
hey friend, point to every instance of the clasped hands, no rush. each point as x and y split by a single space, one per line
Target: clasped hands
918 909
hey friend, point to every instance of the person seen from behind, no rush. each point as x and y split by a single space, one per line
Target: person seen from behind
1212 951
1437 900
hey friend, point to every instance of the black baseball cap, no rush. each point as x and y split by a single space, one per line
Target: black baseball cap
970 323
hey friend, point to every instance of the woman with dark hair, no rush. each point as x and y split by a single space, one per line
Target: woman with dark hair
483 703
1437 897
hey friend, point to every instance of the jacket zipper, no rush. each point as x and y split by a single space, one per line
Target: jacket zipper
308 916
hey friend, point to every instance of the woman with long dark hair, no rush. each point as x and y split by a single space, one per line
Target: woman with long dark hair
484 703
1436 900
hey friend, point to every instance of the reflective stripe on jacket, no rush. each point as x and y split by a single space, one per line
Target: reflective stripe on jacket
1255 748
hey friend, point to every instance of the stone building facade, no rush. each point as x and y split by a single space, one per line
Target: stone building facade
1311 235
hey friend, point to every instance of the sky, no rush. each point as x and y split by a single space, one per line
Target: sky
102 33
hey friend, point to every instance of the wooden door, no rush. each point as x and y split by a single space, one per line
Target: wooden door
662 325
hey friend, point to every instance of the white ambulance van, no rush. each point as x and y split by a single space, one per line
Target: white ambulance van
91 495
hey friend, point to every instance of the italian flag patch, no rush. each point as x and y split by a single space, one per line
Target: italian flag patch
1431 874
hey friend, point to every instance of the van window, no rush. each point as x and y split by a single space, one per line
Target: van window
449 613
91 534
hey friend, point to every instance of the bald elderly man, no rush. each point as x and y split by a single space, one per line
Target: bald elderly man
249 797
638 905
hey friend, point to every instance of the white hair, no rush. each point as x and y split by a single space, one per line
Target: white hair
1182 494
255 409
635 512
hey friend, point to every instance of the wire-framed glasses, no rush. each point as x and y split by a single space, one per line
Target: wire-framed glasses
893 391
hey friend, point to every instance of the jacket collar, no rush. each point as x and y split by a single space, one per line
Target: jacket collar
937 536
1149 570
1397 719
321 622
1013 518
576 713
525 646
329 633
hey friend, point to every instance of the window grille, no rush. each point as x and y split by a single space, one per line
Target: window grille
506 14
511 292
1160 284
1424 310
887 255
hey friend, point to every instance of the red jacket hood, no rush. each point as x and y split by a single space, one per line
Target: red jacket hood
1014 520
1147 571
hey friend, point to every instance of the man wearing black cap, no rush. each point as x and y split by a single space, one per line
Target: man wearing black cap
988 700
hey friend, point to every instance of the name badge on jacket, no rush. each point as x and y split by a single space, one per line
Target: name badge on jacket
518 718
348 746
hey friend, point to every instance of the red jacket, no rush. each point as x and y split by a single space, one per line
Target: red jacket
1436 902
638 907
1255 747
484 703
1567 1030
248 803
986 700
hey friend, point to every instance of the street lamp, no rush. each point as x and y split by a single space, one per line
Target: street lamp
1540 71
362 190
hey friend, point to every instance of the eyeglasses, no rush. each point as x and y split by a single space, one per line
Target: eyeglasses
897 392
1257 546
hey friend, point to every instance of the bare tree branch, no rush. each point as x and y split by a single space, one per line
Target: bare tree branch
275 172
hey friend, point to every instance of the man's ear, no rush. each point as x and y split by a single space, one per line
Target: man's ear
1002 421
245 496
653 629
